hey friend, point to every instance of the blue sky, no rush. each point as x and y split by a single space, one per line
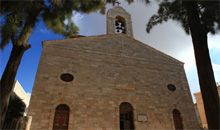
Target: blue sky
168 37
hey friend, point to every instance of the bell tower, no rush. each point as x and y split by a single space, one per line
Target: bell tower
119 21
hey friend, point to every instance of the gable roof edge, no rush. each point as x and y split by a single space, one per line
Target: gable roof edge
157 51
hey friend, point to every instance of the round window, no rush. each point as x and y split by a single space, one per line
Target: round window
66 77
171 87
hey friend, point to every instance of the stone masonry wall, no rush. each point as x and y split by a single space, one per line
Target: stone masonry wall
105 75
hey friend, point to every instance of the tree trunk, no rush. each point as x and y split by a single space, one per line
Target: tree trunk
8 77
205 72
17 52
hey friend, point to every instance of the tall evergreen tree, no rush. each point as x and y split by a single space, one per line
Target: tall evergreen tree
198 18
18 19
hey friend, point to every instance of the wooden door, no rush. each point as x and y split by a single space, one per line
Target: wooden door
61 118
126 121
177 120
126 117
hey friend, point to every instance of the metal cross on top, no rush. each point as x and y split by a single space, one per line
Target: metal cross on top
118 3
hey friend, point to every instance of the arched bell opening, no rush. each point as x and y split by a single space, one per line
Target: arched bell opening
120 25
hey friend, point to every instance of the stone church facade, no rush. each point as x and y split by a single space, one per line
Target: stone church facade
110 82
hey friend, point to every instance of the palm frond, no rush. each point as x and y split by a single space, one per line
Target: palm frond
170 10
16 107
208 11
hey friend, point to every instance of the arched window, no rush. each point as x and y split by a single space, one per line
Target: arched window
126 117
120 26
61 118
177 120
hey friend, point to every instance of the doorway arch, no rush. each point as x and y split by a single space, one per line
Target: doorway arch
126 116
177 119
61 117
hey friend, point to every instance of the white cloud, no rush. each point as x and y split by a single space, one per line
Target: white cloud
193 81
216 69
76 17
187 56
29 95
213 42
44 31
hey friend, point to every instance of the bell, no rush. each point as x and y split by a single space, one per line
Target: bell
119 20
118 28
118 31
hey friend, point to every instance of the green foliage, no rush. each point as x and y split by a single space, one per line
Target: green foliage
16 14
56 14
87 6
16 108
175 10
111 1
